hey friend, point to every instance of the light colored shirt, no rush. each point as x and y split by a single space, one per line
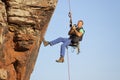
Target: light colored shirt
82 31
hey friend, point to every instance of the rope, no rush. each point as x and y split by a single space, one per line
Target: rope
70 16
70 13
68 65
69 6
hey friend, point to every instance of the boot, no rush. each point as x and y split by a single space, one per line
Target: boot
46 43
60 60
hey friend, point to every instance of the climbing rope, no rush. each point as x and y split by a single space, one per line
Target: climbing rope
69 5
70 13
70 16
68 63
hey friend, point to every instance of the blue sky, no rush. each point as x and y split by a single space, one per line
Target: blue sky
100 49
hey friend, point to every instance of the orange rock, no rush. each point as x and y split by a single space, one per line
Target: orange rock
23 24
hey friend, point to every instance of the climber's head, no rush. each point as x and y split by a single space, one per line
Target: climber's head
80 23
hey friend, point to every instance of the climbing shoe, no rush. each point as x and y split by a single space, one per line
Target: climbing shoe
60 60
46 43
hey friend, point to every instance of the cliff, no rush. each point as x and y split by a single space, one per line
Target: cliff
22 27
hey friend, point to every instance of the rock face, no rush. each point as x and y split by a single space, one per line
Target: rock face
22 27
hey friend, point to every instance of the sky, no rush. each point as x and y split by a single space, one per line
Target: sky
99 58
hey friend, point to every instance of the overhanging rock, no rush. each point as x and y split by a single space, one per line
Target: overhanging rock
23 24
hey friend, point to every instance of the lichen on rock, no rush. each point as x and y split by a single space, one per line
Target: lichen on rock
3 74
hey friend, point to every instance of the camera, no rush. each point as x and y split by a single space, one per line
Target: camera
74 25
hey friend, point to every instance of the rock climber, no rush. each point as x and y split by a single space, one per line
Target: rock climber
75 33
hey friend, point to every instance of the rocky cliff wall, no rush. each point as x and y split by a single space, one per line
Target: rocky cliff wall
22 27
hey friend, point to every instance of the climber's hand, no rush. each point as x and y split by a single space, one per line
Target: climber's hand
73 27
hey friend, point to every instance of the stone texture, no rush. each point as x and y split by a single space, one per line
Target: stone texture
23 24
3 74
